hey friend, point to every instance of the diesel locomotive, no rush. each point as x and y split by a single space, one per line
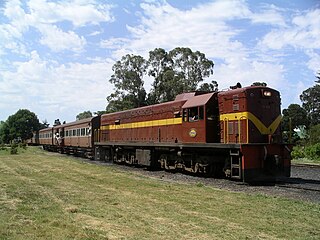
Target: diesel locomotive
233 133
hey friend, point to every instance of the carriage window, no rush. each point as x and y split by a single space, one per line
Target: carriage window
74 132
66 133
78 132
83 131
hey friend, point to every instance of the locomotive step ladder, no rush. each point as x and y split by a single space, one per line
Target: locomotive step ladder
235 163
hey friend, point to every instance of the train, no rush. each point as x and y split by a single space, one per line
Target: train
233 133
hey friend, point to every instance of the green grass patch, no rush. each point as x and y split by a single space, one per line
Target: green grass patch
50 196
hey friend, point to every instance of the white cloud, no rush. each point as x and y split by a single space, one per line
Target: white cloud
58 40
304 33
51 90
314 62
44 15
79 13
269 16
202 28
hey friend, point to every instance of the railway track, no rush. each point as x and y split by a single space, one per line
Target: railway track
305 177
298 187
305 165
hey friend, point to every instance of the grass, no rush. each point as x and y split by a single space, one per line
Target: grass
50 196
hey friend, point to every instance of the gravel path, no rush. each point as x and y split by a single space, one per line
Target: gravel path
303 185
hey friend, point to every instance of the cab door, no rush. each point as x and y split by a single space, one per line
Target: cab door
194 124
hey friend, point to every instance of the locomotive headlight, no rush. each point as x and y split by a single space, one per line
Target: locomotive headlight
267 93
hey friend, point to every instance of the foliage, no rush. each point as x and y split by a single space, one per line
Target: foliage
314 134
311 103
161 69
128 83
296 114
180 70
4 132
311 152
23 145
298 152
20 125
174 72
191 67
14 148
84 115
318 77
209 87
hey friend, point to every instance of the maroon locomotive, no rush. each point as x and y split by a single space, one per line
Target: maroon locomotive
235 133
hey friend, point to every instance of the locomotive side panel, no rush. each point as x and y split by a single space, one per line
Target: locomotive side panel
157 123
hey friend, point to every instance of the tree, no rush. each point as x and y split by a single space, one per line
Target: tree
296 114
83 115
4 132
160 67
180 70
311 103
20 125
127 79
318 77
209 87
314 134
190 67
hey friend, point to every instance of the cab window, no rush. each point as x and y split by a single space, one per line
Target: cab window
195 114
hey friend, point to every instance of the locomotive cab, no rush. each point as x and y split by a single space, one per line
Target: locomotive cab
200 119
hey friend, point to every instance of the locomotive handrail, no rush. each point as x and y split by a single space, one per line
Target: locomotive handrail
245 118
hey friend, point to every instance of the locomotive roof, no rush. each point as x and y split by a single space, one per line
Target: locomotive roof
244 89
199 100
144 107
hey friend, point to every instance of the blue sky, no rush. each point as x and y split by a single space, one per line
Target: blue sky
56 57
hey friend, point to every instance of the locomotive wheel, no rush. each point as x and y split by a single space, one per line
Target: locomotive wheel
196 168
164 162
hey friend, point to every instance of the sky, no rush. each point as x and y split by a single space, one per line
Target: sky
56 57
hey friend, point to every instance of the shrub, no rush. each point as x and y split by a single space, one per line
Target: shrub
23 145
314 134
298 152
313 151
14 149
